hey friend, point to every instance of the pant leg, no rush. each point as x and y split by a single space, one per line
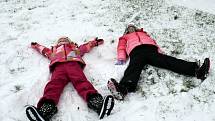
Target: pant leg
55 86
132 72
171 63
79 80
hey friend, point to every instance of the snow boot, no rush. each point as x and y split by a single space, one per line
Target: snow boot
118 91
101 105
44 113
203 71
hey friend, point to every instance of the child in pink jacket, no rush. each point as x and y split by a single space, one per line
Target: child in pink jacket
67 66
143 50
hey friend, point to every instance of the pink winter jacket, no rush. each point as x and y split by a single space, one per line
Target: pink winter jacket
129 41
65 52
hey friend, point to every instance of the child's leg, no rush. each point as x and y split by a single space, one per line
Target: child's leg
55 86
79 80
132 73
46 107
173 64
86 90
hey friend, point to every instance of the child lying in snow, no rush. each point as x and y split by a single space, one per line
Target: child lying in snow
143 50
67 66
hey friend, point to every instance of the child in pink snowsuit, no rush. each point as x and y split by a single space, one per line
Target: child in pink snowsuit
67 66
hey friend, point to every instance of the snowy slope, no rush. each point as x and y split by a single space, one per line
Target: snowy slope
180 28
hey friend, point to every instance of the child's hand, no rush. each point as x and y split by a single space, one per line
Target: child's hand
96 42
120 62
33 44
99 41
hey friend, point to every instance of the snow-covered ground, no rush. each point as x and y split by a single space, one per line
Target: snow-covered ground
183 28
204 5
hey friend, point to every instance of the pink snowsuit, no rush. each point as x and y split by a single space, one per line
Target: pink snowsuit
66 66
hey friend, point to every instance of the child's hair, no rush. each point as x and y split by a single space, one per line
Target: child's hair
129 25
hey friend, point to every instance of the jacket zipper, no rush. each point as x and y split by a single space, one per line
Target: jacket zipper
138 36
65 51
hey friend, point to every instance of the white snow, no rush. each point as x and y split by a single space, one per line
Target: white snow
204 5
183 28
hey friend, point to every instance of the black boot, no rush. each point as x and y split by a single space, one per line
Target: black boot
203 71
101 105
118 91
44 113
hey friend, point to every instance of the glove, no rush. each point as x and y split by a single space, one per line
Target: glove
33 44
99 41
96 42
120 62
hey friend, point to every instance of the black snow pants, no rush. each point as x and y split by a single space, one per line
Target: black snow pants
148 54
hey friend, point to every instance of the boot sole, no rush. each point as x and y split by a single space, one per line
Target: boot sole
115 92
208 68
33 114
107 106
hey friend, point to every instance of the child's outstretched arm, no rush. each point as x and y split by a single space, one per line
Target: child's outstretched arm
41 49
121 51
85 48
